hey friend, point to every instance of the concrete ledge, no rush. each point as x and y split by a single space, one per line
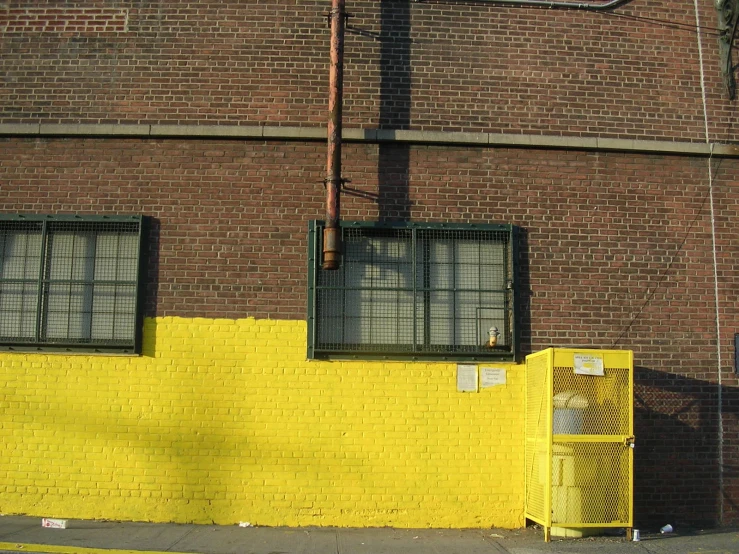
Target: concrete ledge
19 129
501 139
566 143
357 135
656 146
271 132
301 133
428 137
726 150
206 131
85 130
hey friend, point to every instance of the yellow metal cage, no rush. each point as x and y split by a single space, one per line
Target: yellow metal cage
579 440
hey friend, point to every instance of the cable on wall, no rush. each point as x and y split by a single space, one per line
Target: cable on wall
719 360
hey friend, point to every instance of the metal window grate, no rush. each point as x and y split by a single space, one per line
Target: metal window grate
69 282
414 291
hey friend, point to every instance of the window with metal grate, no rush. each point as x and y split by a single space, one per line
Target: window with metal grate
70 283
414 291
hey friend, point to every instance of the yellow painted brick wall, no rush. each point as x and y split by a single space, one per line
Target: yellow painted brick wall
226 421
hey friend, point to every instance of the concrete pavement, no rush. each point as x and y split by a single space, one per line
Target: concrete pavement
25 534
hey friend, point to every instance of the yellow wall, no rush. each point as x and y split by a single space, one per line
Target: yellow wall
225 421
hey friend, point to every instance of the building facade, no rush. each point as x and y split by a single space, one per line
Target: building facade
184 374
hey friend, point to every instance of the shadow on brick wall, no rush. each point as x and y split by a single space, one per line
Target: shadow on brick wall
395 110
152 232
677 449
523 294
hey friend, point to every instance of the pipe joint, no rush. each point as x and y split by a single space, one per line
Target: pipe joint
331 248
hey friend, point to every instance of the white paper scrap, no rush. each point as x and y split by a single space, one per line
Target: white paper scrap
54 523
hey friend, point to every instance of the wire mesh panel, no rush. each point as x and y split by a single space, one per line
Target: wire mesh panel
582 456
69 281
591 484
414 290
538 407
603 401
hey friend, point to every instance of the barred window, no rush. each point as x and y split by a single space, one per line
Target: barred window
69 283
414 291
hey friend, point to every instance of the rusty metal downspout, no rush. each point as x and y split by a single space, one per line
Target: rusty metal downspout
331 232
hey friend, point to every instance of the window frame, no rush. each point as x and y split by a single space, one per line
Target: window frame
316 351
91 228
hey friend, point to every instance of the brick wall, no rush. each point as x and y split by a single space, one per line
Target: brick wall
616 253
725 173
63 21
617 248
421 65
629 234
222 421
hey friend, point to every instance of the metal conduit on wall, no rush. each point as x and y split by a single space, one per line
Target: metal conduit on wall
613 4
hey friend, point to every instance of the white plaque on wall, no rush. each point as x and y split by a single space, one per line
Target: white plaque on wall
466 378
492 376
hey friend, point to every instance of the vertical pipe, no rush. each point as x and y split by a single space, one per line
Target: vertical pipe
331 236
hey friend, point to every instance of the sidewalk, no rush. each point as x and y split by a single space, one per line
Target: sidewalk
25 534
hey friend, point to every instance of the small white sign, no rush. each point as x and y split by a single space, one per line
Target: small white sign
589 364
492 376
466 378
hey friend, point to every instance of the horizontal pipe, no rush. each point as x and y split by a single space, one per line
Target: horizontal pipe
612 5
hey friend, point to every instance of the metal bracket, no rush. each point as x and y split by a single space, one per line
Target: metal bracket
346 15
341 182
728 17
